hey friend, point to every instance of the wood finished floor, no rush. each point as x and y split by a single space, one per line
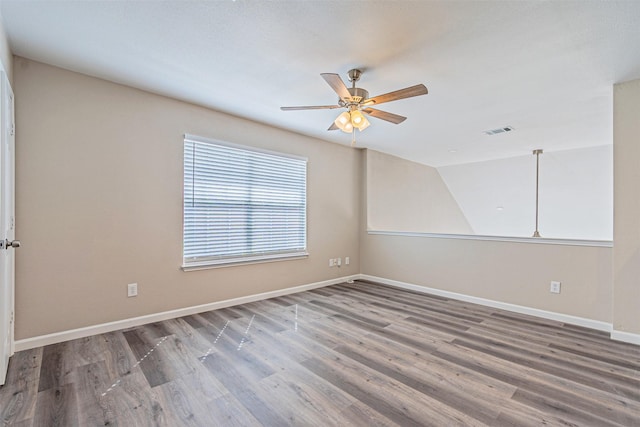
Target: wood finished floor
357 354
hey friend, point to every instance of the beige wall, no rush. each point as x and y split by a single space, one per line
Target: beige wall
626 230
5 53
514 273
508 272
99 203
408 196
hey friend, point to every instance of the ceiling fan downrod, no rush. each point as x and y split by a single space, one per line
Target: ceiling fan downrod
357 94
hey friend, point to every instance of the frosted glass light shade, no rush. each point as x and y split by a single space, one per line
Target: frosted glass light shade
343 121
364 124
351 119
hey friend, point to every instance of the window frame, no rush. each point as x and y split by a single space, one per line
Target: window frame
216 262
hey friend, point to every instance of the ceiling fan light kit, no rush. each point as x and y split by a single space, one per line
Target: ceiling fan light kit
350 120
357 102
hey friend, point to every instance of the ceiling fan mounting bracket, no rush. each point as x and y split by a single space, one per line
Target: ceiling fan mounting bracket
354 75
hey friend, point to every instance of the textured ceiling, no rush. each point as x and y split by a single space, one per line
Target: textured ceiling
545 68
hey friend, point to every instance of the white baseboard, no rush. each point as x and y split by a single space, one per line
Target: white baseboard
625 337
566 318
57 337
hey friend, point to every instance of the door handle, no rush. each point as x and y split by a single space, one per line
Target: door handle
10 244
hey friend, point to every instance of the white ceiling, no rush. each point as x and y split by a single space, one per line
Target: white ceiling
544 67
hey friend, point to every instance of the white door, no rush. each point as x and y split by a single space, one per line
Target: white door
7 224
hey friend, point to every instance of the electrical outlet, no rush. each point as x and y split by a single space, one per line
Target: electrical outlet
132 290
554 288
346 260
339 262
332 262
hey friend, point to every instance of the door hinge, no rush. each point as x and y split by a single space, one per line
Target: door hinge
11 321
13 129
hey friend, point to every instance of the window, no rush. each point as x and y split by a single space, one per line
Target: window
241 204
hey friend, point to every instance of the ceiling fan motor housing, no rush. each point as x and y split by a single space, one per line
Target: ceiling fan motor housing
358 94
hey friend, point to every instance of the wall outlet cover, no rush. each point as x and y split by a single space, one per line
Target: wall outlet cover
132 289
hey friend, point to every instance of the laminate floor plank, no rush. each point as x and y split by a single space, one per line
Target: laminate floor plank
430 385
349 312
368 307
280 301
440 371
590 377
443 381
155 367
533 355
360 415
566 411
389 295
19 394
508 329
389 332
118 357
595 344
57 407
629 362
622 410
305 407
378 287
264 321
195 321
551 330
190 340
227 411
94 408
352 354
391 399
135 403
623 371
181 407
56 366
235 370
219 317
313 390
440 307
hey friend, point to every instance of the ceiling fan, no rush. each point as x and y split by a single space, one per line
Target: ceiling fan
356 101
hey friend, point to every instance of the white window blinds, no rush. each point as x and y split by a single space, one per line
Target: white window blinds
241 204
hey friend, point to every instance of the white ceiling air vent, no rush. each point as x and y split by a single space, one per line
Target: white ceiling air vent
499 130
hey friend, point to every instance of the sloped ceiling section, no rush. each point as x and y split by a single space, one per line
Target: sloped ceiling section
545 68
409 197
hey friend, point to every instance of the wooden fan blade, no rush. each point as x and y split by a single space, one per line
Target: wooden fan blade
337 85
333 127
407 92
383 115
311 107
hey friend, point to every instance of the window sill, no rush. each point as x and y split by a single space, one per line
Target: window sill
234 262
